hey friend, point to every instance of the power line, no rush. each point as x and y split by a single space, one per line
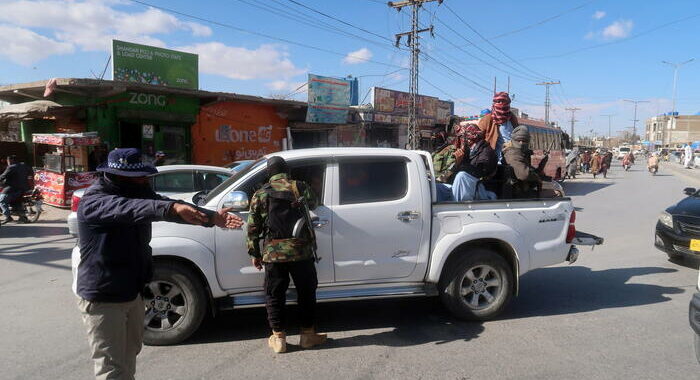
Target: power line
448 95
242 30
543 21
305 19
492 44
485 52
615 42
339 20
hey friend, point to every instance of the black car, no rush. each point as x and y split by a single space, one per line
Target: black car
678 228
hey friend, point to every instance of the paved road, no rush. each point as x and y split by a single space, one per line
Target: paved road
620 312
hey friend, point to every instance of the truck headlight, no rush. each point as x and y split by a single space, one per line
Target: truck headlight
666 219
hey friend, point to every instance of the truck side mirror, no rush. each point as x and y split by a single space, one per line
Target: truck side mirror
689 190
238 200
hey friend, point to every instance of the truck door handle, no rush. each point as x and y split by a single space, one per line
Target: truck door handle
407 216
318 223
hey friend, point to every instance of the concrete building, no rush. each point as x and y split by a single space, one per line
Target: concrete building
663 130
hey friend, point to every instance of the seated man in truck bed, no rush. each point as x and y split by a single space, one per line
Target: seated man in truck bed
461 166
522 180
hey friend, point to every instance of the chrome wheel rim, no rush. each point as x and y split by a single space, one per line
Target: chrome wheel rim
481 285
166 305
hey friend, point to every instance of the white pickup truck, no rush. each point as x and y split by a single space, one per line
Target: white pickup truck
380 233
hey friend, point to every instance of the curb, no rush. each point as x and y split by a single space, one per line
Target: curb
680 171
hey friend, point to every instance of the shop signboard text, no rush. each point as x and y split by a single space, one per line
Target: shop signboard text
156 66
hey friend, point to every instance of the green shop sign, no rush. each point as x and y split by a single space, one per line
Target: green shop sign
153 102
153 65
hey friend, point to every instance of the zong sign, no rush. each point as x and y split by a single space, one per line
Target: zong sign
148 99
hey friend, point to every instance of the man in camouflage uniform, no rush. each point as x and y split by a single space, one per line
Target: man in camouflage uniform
283 256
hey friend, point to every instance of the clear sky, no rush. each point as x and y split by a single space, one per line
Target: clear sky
601 51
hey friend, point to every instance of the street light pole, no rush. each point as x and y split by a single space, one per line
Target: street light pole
609 127
676 66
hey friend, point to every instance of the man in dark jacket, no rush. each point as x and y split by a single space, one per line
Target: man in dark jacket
525 181
461 166
479 164
114 222
15 182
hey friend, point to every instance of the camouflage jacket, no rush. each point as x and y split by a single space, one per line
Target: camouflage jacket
443 162
277 250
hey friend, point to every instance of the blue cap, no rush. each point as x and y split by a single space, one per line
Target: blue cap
126 162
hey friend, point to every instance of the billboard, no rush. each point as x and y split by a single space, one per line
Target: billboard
329 100
391 107
231 131
152 65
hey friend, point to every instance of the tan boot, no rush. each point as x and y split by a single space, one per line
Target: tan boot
278 342
309 338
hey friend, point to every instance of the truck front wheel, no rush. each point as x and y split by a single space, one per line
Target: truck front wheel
176 303
478 286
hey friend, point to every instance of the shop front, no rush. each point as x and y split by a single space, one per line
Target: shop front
149 121
229 131
65 163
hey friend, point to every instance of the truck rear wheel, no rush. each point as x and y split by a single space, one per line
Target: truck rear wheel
478 286
176 303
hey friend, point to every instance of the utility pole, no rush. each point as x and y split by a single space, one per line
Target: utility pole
676 66
609 127
414 45
634 126
573 120
547 103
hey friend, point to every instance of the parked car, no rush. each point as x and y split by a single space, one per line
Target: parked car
169 181
239 165
678 227
694 318
381 235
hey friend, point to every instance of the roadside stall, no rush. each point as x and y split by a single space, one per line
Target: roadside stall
63 162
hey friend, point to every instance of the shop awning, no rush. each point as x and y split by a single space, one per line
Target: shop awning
27 110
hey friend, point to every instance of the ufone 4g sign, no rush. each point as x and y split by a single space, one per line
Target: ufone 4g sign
148 99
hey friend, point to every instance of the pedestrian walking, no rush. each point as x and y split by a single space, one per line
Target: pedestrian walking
276 210
114 222
688 157
586 161
596 163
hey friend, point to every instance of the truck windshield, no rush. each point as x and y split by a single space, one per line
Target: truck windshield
227 183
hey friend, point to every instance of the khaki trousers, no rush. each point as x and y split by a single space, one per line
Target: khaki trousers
115 334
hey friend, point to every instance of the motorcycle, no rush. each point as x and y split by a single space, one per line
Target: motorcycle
653 169
32 203
29 205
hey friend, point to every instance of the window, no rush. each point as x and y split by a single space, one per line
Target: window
308 172
175 182
376 181
207 181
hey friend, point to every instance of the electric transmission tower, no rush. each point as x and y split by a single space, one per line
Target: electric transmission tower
547 102
573 120
414 45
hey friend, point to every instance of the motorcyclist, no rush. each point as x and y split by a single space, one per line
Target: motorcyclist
628 160
653 162
16 182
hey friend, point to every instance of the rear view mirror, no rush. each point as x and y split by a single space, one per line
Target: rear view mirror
237 200
199 198
689 190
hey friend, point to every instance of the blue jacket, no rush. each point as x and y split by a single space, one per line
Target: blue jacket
115 231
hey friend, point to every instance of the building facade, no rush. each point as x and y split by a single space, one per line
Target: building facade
670 131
